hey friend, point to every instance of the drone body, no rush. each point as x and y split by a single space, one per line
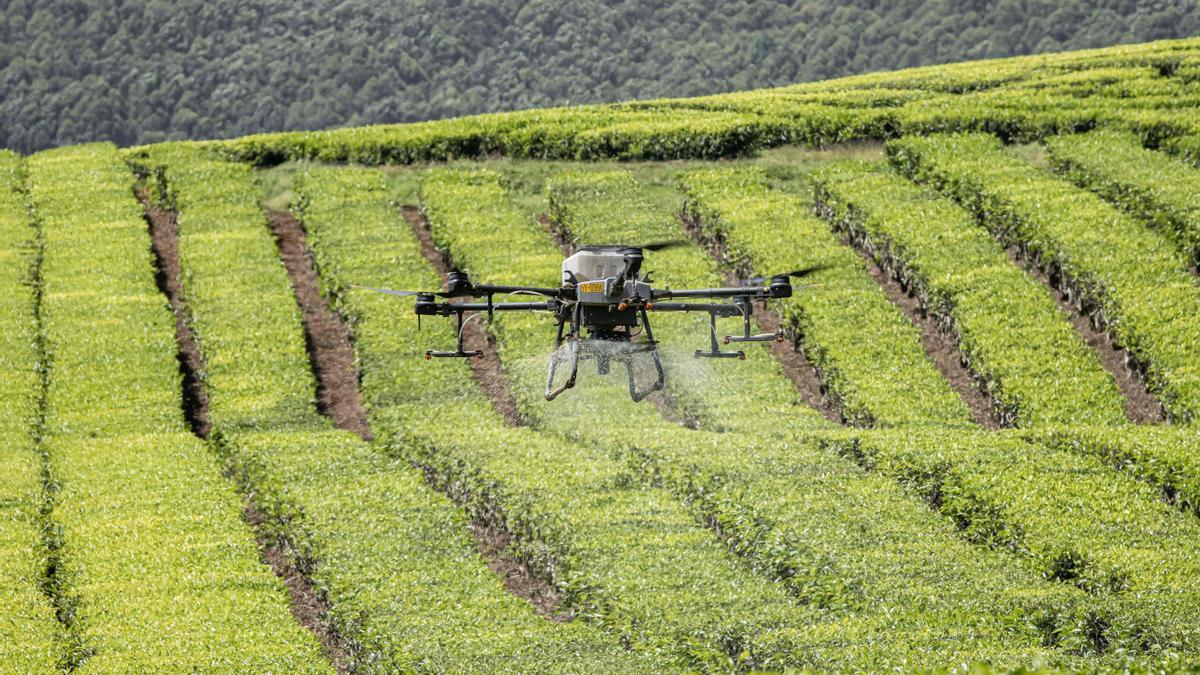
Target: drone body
602 294
596 272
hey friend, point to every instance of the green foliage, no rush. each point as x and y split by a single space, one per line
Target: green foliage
157 71
29 635
406 586
624 555
1019 99
1126 276
256 373
120 375
1076 521
566 133
1030 361
160 570
1187 147
1003 113
166 573
1157 128
28 631
892 580
1163 457
1159 189
846 326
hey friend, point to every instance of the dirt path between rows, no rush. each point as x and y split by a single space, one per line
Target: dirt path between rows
803 374
518 579
326 336
940 347
164 239
1141 407
487 370
332 352
306 605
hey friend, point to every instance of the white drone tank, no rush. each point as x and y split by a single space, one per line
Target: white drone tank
594 265
595 268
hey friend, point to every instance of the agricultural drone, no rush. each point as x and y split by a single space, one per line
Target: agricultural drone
601 292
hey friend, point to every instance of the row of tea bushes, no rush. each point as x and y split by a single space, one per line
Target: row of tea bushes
1010 331
394 560
29 634
160 569
868 353
1157 188
1070 515
1163 457
1128 278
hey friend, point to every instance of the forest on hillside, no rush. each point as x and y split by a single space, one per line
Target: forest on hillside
141 72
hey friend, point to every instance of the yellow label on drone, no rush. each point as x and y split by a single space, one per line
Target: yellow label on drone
591 287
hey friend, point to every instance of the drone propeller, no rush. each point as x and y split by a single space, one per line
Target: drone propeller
402 294
633 258
795 274
661 245
457 284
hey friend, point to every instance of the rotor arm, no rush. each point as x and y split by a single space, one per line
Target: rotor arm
548 306
483 290
710 293
778 287
715 308
427 307
449 308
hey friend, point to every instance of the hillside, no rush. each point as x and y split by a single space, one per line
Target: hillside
149 71
973 445
1150 89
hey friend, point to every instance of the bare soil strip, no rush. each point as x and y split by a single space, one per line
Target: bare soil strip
326 335
666 404
1141 407
941 347
164 233
488 373
306 605
486 370
803 374
518 580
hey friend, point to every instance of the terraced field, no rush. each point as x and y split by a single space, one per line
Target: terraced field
977 448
